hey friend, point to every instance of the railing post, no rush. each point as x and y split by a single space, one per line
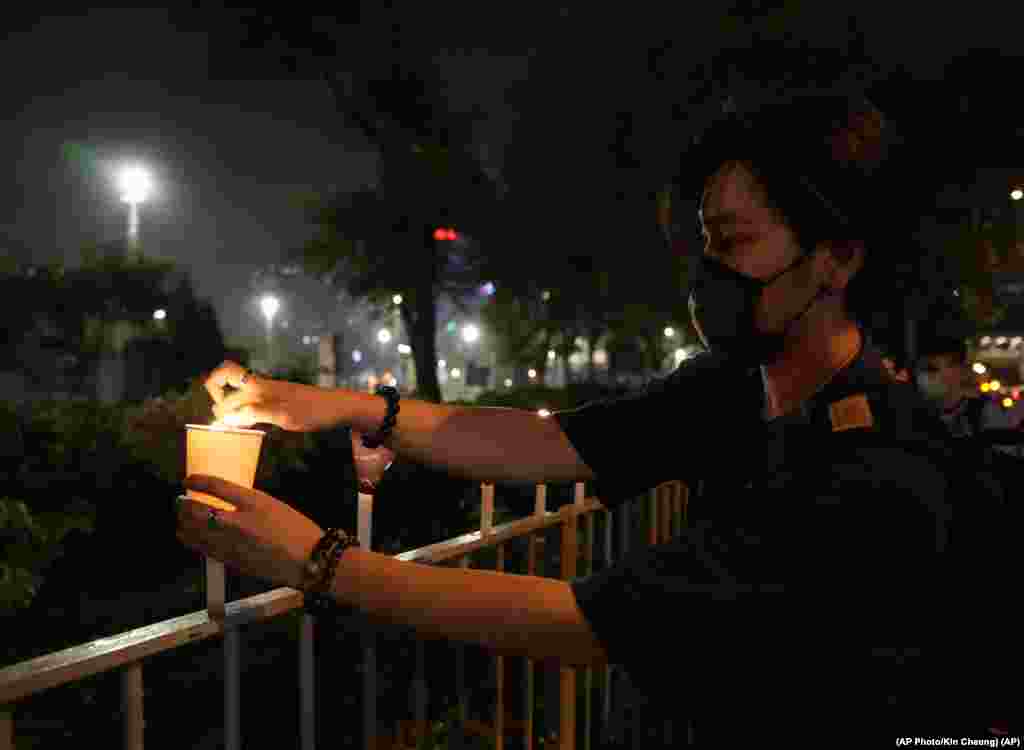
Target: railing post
606 713
486 509
365 533
539 509
216 589
6 727
567 692
499 674
458 733
419 687
307 683
232 688
131 706
588 674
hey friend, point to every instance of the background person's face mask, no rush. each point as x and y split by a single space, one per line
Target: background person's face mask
723 304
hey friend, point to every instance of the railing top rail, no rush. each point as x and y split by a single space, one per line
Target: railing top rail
59 667
464 544
103 654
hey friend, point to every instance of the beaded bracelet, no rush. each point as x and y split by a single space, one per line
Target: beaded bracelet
390 418
321 568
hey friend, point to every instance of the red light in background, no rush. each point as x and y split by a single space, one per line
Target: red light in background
440 234
451 234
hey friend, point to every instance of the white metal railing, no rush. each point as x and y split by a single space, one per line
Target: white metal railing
127 651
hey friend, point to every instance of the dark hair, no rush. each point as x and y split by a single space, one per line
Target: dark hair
820 159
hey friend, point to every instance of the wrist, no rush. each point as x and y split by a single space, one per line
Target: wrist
320 570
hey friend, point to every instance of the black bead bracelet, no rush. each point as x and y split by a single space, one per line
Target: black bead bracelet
390 418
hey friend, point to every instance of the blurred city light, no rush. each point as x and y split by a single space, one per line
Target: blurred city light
508 382
546 295
397 299
1007 402
159 314
1017 194
404 349
456 372
669 332
994 385
544 412
357 356
980 368
442 364
487 289
383 335
307 340
270 304
470 333
135 184
531 373
983 387
551 355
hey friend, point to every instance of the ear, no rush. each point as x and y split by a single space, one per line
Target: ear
845 258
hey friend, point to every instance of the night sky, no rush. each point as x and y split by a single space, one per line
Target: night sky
85 93
228 155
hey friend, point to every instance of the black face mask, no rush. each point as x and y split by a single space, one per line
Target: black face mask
722 306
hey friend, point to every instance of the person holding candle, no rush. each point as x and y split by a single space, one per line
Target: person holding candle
820 528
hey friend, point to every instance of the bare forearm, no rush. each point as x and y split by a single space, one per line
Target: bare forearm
481 443
512 614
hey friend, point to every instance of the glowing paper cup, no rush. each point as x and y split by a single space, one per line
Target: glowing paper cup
227 452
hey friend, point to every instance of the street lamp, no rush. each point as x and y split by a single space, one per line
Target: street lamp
1017 194
136 185
470 333
270 305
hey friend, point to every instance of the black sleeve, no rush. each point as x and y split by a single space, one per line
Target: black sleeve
679 427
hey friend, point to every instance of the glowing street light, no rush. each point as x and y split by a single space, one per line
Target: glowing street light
270 305
160 314
669 332
1017 194
136 185
383 335
470 333
397 299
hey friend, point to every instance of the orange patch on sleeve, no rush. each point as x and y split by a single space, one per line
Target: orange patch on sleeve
853 412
